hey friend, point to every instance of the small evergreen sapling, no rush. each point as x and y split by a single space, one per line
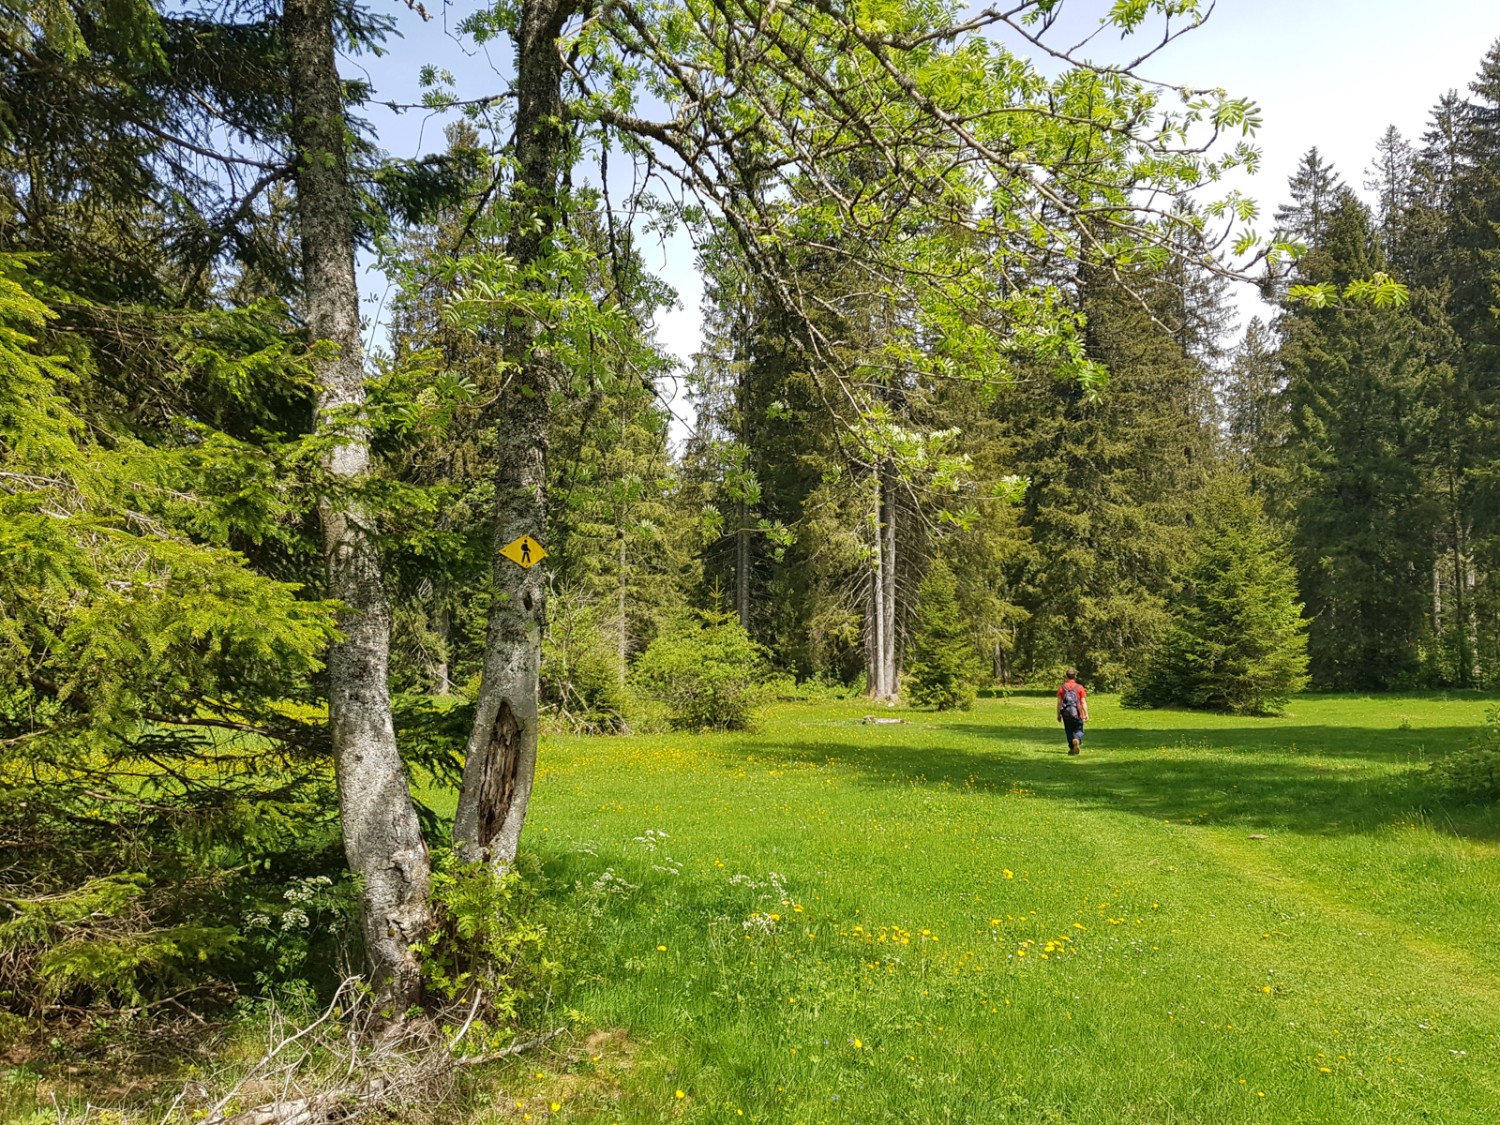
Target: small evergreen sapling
1238 641
943 670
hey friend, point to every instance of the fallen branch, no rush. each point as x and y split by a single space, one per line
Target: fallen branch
511 1051
334 1071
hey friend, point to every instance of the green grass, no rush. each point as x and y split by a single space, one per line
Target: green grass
975 927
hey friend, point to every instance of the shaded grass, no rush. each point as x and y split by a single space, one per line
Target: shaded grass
971 926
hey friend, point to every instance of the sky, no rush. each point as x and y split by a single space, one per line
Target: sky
1330 73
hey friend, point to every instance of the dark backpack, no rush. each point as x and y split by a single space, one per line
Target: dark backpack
1070 703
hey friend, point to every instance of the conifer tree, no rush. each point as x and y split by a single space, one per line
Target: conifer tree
1352 486
1475 295
1237 641
1254 412
1314 188
1112 482
1389 179
942 669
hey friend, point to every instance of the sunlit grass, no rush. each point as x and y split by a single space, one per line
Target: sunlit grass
1202 919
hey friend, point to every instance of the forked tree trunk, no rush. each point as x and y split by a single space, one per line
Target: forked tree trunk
382 837
501 761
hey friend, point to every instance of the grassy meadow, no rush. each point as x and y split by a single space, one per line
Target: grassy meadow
1201 919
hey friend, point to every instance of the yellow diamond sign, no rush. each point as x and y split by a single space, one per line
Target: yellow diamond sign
524 552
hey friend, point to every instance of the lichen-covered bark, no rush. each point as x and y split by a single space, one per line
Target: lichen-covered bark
501 758
382 837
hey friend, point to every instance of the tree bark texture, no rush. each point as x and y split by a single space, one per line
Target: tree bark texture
501 760
880 632
442 628
891 675
382 837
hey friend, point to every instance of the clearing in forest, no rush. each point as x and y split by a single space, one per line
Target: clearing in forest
1202 919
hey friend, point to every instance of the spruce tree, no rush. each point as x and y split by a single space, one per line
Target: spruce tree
942 669
1237 641
1389 178
1112 480
1350 480
1314 189
1254 412
1475 295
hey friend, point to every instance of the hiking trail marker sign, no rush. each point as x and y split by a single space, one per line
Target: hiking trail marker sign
525 552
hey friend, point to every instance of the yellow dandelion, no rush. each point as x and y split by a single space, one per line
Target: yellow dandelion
1325 1070
1008 873
680 1094
857 1044
661 949
556 1106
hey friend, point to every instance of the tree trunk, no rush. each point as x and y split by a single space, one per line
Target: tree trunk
1437 596
501 760
1460 621
891 675
442 628
624 599
742 566
875 611
382 837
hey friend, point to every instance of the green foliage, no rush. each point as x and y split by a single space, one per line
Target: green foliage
154 761
583 669
706 669
1237 641
93 940
282 939
483 941
1350 477
1113 480
942 669
1471 774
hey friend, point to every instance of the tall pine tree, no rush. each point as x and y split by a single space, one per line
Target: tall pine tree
1350 483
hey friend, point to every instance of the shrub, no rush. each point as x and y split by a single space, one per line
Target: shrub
707 671
483 937
942 671
1238 641
1472 774
581 683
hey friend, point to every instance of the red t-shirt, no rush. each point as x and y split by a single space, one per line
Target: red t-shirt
1082 694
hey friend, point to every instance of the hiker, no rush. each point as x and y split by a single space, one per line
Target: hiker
1072 710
